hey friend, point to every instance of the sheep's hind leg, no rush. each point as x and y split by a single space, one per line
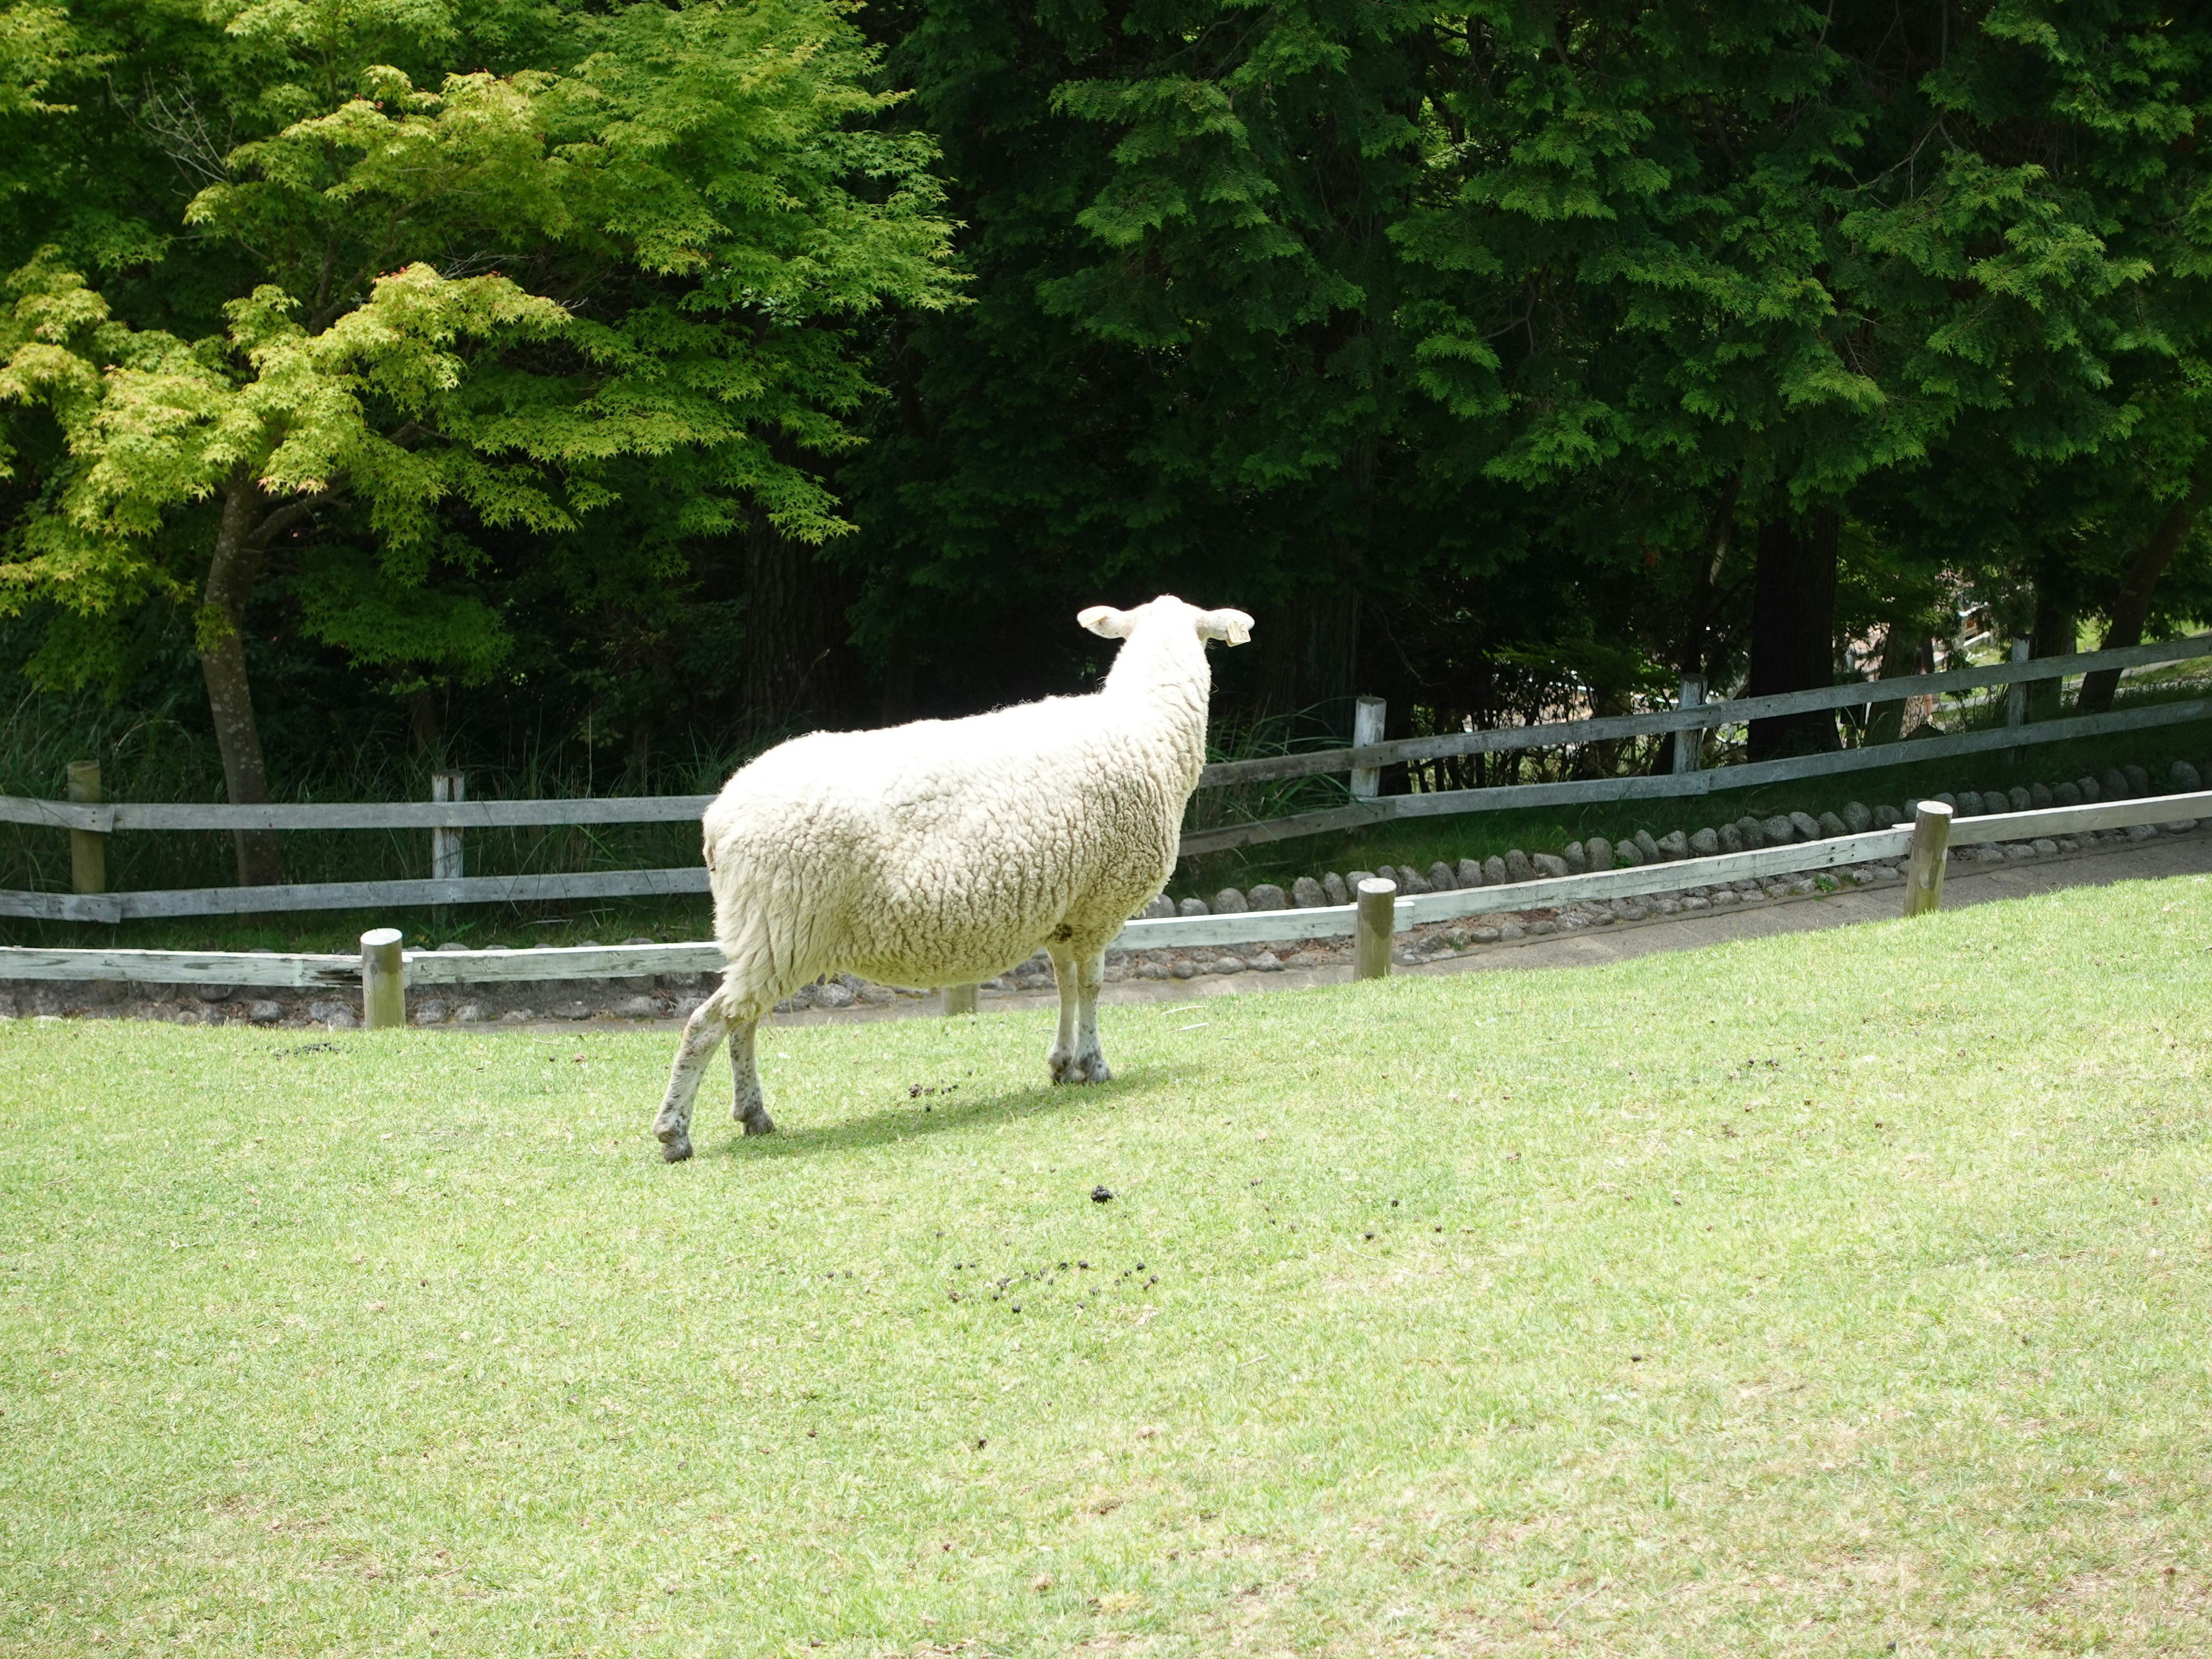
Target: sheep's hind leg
1075 1056
706 1028
746 1105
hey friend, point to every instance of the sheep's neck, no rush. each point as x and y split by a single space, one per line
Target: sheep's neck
1170 678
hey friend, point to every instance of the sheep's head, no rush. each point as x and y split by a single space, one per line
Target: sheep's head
1232 626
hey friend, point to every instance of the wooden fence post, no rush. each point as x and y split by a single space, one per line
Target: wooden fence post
87 847
1690 742
1372 928
959 1000
383 979
1924 876
1367 729
446 863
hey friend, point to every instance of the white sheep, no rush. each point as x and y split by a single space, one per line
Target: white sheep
944 852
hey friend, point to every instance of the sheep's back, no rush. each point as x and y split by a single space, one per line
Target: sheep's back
944 849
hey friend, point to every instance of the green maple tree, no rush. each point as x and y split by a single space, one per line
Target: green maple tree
408 302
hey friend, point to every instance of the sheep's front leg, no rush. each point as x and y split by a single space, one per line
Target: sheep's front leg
746 1105
1075 1056
706 1028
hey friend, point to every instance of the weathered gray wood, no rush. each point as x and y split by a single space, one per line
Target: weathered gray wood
352 894
383 981
413 815
445 857
1367 728
1923 875
1377 920
562 961
54 814
256 968
1690 740
2078 820
2017 694
1664 786
353 815
959 1000
1254 927
1711 715
1554 891
87 847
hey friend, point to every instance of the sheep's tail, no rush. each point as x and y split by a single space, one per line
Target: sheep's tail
759 961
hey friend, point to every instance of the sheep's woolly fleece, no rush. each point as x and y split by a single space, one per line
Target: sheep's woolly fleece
943 851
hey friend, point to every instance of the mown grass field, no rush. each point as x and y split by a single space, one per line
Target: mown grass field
1821 1295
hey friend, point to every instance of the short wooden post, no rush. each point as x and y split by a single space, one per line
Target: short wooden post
1366 731
959 1000
383 979
1377 915
1690 742
87 847
1924 876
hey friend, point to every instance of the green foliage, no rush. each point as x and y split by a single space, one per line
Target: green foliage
1533 316
442 307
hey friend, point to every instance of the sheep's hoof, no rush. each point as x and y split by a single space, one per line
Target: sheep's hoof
675 1146
1082 1068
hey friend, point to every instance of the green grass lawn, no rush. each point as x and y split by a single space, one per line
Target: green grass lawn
1805 1296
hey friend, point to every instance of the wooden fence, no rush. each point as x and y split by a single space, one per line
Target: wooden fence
449 815
1924 841
1692 718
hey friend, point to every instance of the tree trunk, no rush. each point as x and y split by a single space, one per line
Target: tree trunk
230 577
1793 632
1694 652
2132 608
2052 634
423 722
1902 652
1310 660
1309 667
897 707
797 657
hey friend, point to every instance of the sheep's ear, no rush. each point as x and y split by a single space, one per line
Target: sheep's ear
1234 626
1106 621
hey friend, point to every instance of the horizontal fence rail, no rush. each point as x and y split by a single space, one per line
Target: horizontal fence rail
353 895
445 817
357 815
270 969
1700 716
549 962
